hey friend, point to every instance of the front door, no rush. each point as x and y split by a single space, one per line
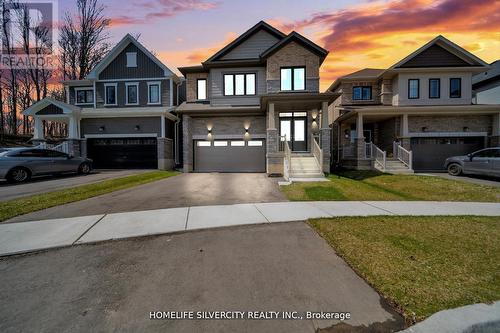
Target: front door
294 130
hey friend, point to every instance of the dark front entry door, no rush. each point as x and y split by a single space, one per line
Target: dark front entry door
294 129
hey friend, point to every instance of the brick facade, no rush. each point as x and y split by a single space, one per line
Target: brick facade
450 123
191 85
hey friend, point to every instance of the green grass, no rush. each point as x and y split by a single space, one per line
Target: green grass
16 207
369 185
421 265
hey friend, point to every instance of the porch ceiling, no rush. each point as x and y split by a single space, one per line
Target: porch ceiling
297 101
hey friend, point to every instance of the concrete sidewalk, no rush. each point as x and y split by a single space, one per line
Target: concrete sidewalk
40 235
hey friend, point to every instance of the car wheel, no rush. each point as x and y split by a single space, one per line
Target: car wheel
454 169
84 168
18 175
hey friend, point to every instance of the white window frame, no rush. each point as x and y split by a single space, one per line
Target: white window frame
159 93
128 84
198 88
84 89
106 93
131 59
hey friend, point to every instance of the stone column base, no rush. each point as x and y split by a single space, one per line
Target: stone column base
165 154
75 148
36 142
326 147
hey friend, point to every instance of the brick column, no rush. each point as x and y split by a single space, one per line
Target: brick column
187 144
495 131
74 146
165 154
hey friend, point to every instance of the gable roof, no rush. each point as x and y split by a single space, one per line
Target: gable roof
40 105
243 37
490 75
466 58
296 37
115 51
365 73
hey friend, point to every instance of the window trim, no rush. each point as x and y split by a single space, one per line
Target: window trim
206 89
128 84
459 89
362 99
129 54
106 93
439 87
77 89
234 84
418 88
293 78
153 83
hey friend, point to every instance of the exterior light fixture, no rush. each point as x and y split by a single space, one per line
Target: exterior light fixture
137 127
209 131
466 129
246 130
424 129
102 128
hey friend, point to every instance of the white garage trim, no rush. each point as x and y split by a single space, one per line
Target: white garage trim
229 136
111 136
445 134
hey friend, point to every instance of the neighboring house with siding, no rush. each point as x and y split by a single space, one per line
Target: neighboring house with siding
255 106
486 86
413 115
122 114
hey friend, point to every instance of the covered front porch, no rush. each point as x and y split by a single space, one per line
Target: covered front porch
50 110
298 134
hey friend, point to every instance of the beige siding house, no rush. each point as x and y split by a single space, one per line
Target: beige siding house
413 115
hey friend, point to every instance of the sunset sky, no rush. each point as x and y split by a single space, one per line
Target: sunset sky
358 34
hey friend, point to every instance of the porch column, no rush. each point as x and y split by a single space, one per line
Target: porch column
274 158
495 132
405 133
73 139
38 129
162 126
165 148
187 143
326 137
73 128
360 138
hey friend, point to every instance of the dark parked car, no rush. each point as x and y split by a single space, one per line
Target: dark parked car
20 164
484 162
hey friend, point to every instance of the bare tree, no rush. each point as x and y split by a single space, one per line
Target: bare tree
83 39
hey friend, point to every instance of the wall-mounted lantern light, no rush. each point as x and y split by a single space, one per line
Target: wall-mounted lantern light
466 129
102 128
346 134
424 129
137 128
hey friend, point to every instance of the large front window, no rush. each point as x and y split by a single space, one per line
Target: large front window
455 88
84 96
239 84
413 88
201 89
132 93
293 78
362 93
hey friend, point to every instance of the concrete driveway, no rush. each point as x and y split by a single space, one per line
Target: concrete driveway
50 183
113 286
480 180
189 189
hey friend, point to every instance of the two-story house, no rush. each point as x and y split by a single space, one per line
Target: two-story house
486 86
413 115
255 106
122 114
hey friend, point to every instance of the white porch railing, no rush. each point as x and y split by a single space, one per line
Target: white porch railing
318 153
402 154
369 150
63 147
380 156
287 161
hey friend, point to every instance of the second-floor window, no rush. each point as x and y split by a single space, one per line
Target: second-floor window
455 88
434 88
413 88
239 84
132 93
201 89
362 93
110 94
293 78
153 92
84 96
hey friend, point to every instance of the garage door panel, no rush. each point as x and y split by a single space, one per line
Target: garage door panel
429 154
230 158
123 153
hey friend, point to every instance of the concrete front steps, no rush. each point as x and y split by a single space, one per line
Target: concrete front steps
394 166
305 166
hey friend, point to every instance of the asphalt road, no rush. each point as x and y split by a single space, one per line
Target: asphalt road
113 286
188 189
50 183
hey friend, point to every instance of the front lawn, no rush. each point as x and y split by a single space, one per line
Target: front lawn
370 185
16 207
421 264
